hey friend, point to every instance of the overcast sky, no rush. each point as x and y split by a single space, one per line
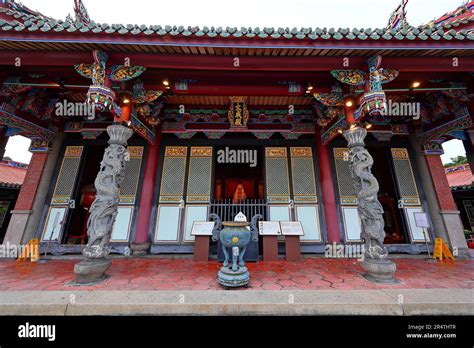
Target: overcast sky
244 13
255 13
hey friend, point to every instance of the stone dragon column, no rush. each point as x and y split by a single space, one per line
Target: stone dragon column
107 183
378 268
104 208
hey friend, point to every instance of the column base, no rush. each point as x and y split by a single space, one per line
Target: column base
465 254
91 271
454 228
140 249
379 271
17 226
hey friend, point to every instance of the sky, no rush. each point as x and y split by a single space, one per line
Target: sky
244 13
261 13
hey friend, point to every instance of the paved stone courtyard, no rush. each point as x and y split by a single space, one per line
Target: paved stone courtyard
158 273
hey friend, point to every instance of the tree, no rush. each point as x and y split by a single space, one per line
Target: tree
456 161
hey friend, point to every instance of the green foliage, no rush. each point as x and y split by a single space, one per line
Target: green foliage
456 161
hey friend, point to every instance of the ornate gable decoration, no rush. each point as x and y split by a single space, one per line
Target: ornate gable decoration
238 114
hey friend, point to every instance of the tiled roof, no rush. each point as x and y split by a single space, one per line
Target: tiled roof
459 176
11 175
22 22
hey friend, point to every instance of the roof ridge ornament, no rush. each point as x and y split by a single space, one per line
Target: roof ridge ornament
20 8
81 12
398 17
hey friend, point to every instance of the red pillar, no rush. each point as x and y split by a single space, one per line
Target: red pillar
30 185
349 108
146 198
440 183
327 190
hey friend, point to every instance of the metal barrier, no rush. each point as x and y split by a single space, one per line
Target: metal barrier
226 209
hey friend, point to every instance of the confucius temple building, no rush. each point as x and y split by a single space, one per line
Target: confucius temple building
229 120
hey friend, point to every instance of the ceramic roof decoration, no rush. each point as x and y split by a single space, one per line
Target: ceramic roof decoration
19 19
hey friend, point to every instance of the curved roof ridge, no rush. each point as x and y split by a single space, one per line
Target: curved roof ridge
18 21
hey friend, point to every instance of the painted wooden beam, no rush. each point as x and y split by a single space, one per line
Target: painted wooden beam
244 63
228 42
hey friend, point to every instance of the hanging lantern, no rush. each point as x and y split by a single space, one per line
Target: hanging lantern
102 97
374 103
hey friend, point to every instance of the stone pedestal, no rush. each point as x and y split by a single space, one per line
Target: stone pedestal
16 226
91 271
455 231
233 279
379 271
140 249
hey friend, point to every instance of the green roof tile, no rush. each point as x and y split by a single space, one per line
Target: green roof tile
21 22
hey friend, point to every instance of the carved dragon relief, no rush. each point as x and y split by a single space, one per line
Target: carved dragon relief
105 206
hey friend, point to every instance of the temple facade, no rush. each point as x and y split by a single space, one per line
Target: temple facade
229 120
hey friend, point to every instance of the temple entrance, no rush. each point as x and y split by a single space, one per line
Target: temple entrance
239 187
382 170
238 173
76 228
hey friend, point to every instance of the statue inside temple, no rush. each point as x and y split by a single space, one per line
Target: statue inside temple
239 194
